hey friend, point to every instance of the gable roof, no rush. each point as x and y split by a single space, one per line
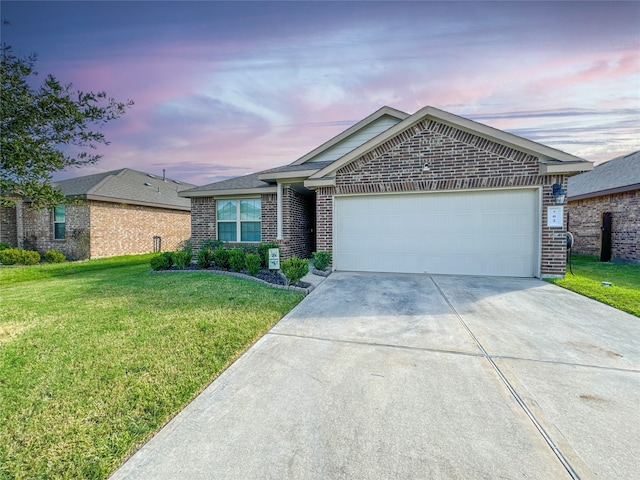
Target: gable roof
385 111
620 174
552 161
128 186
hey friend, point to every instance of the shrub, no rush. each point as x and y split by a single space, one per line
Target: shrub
13 256
263 251
204 258
294 269
182 258
164 261
252 262
321 260
221 257
4 246
54 256
236 259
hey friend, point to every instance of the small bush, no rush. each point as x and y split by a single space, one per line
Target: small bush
164 261
13 256
182 258
236 259
263 251
252 262
321 260
204 258
54 256
221 257
294 269
9 256
185 246
4 246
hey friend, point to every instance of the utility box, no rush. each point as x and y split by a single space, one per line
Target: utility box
274 259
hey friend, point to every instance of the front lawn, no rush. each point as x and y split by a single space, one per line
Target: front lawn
94 361
624 292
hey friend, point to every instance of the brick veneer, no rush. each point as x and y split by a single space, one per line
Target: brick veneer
8 226
585 220
297 224
113 228
203 219
456 160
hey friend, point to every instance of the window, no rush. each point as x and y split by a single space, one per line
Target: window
239 220
59 221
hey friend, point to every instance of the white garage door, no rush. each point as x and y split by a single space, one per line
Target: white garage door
470 233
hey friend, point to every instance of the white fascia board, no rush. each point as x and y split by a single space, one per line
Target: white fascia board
297 174
228 193
351 130
320 182
541 151
565 168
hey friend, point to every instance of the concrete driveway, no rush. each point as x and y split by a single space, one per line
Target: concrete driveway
413 376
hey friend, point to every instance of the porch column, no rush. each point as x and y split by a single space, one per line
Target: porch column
279 211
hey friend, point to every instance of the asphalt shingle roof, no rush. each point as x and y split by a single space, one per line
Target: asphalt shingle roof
236 183
128 186
614 174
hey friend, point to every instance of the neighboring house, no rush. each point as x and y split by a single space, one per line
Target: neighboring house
119 212
424 193
604 210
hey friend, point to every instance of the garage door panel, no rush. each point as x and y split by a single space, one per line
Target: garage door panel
473 233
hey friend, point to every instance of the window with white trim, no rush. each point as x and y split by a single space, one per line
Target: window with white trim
239 220
59 222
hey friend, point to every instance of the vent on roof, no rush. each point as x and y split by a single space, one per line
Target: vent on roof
176 181
149 175
147 184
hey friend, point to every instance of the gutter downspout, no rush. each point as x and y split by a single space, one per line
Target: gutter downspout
19 224
279 211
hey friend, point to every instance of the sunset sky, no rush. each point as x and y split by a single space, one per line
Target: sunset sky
227 88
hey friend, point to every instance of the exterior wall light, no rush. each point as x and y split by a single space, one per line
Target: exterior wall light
559 193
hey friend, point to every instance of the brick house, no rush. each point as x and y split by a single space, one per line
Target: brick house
430 192
120 212
604 210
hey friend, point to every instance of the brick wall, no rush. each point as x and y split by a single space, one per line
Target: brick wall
8 226
120 229
457 160
297 225
113 229
203 221
38 230
324 219
269 225
585 223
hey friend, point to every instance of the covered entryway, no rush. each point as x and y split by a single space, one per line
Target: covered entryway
488 232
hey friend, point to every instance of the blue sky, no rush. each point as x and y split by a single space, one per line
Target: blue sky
228 88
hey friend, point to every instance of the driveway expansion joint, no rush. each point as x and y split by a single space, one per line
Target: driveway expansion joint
375 344
574 475
569 364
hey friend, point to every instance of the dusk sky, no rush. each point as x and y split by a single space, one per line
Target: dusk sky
228 88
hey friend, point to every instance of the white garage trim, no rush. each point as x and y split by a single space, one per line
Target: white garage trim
466 232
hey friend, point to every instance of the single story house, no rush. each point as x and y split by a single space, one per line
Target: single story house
430 192
119 212
604 210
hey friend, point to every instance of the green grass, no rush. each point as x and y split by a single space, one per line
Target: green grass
10 274
94 361
624 294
